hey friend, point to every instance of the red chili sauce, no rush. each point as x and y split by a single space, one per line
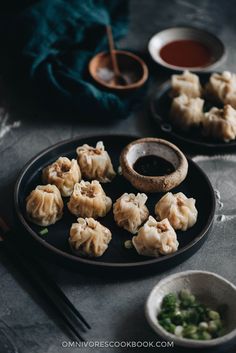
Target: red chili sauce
186 53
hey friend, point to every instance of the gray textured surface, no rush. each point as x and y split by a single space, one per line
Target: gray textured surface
113 307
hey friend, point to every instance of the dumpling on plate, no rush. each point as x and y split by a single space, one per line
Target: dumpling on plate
64 173
89 237
186 112
222 87
89 200
220 123
130 211
44 205
95 163
186 83
155 238
180 210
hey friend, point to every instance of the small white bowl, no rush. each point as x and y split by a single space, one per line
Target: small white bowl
187 33
211 290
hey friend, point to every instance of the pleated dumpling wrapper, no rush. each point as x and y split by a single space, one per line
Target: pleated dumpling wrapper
95 163
130 211
64 173
180 210
44 205
89 237
186 83
89 200
220 124
186 112
155 238
222 88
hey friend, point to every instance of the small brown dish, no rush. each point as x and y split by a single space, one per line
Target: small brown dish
132 67
159 155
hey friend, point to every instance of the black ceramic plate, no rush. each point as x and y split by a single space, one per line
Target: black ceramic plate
160 104
117 257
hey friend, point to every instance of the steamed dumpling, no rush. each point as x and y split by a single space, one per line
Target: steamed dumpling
222 87
186 112
220 123
95 163
180 210
89 200
89 237
186 83
130 211
63 173
155 238
44 205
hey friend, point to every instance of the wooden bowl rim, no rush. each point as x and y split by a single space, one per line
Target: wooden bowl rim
134 85
156 183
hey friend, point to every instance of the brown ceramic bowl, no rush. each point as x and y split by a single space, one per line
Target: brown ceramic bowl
158 147
130 65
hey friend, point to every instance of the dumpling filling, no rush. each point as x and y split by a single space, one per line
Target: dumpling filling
220 123
64 174
44 205
95 163
222 87
180 210
186 83
130 211
186 112
89 200
89 237
155 238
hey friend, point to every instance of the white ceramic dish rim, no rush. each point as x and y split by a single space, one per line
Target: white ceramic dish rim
184 342
159 60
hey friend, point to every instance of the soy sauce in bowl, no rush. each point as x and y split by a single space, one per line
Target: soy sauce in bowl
153 165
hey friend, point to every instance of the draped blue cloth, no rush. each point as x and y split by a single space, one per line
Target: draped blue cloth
50 44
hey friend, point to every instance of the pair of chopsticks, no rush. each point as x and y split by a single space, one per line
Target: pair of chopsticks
44 284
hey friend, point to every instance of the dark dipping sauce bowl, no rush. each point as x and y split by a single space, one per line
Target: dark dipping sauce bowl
132 68
187 48
167 155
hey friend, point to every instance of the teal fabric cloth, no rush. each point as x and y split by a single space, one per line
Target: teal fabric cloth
51 42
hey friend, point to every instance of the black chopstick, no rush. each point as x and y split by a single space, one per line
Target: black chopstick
60 293
46 277
39 277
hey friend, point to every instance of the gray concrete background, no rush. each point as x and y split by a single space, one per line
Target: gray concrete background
114 308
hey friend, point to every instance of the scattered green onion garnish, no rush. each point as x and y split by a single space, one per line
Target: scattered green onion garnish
128 244
119 170
44 231
185 317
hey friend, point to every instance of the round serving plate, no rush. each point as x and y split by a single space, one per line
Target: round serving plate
116 258
160 104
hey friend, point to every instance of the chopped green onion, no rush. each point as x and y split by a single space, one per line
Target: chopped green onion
213 315
179 331
119 170
182 315
128 244
203 325
44 231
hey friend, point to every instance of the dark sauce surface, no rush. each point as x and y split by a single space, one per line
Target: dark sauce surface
153 166
186 53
